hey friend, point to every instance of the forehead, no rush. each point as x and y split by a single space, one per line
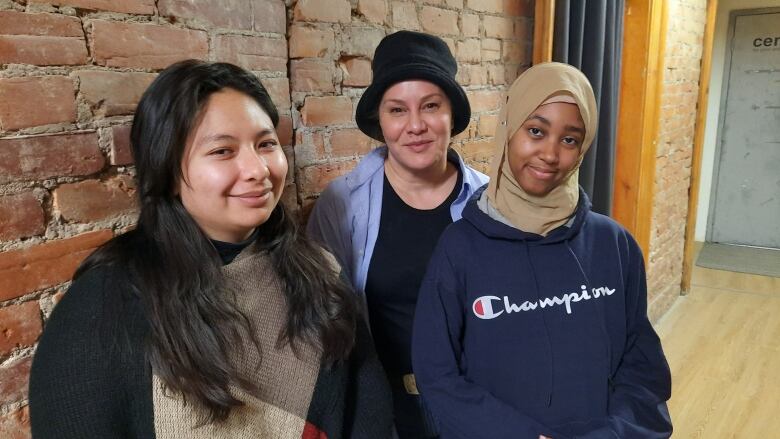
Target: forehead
411 89
229 109
560 112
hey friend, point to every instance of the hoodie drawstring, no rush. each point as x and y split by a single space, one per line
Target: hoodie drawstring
544 324
600 312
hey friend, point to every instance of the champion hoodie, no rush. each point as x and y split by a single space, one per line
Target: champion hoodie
518 335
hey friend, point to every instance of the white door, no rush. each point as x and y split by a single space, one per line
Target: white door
745 204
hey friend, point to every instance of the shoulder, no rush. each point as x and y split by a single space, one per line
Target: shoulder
603 227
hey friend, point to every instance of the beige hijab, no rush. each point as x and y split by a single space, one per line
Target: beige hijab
541 84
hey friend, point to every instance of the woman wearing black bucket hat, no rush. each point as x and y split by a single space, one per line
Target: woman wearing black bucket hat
383 219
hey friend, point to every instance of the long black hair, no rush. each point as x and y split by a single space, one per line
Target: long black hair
176 272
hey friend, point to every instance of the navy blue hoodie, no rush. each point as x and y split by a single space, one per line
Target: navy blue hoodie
518 335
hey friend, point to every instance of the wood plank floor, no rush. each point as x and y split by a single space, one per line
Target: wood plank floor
723 345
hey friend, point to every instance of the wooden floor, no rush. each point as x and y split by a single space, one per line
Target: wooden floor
723 345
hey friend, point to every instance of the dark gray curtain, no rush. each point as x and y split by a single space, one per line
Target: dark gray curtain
588 35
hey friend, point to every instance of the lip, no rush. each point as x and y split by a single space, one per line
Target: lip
419 145
542 173
254 198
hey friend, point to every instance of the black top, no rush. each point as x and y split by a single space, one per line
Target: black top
407 237
228 250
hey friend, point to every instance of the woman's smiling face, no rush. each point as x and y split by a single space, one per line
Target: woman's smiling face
233 167
546 148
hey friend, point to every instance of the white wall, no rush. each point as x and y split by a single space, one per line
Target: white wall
713 106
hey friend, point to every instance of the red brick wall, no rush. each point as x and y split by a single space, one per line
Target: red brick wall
682 61
72 71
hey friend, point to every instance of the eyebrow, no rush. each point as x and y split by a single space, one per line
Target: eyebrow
570 128
220 137
428 96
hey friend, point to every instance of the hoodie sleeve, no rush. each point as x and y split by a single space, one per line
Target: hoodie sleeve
462 409
329 225
642 383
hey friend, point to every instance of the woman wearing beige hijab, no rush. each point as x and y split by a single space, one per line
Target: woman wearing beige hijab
532 318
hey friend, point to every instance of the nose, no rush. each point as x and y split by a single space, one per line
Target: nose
416 124
549 151
253 166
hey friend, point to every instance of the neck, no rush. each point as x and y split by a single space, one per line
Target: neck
425 189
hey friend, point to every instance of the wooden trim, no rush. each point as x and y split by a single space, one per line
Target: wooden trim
698 145
641 85
544 26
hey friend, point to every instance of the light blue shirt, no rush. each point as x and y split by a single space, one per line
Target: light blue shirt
346 217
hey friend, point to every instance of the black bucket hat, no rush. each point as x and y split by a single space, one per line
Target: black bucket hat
406 55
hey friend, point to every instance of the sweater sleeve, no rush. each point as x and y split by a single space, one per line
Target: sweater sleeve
329 225
462 409
76 381
642 383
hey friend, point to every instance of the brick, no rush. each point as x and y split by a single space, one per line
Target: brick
469 51
405 16
496 74
515 52
16 425
356 72
14 378
285 131
45 265
360 41
329 11
20 326
471 74
375 11
121 152
142 7
41 39
309 148
478 150
327 110
270 16
519 8
21 215
92 200
469 25
498 27
487 125
491 49
41 157
52 97
252 53
494 6
231 14
439 21
314 179
279 89
469 133
309 42
457 4
113 93
350 142
484 100
145 45
309 75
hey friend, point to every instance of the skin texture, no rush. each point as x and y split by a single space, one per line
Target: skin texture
416 121
233 167
546 148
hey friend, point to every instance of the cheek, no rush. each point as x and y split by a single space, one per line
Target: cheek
570 159
278 167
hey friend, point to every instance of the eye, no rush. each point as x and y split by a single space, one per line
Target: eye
570 141
396 110
535 132
270 143
220 151
431 106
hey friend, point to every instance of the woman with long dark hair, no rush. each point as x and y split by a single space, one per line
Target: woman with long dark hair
214 317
